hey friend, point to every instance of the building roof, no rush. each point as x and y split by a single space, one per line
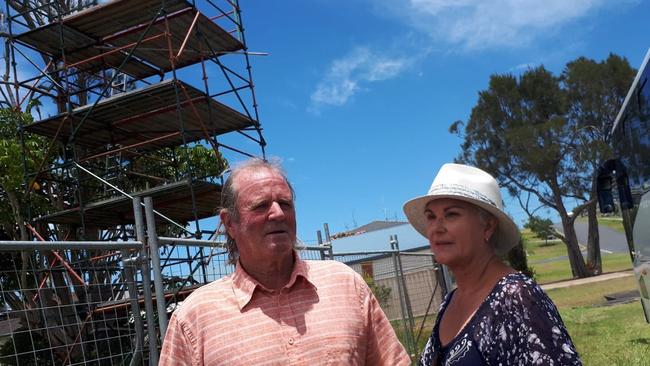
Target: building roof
378 225
372 226
379 239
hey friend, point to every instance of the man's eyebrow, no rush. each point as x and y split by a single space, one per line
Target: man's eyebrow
255 201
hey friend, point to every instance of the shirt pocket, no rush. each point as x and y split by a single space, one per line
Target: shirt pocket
344 350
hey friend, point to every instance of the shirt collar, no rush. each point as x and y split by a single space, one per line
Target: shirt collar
244 285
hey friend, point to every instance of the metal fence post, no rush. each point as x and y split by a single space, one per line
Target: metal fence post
152 239
128 264
407 299
407 332
328 240
320 243
441 277
146 282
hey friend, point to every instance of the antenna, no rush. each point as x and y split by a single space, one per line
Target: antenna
3 22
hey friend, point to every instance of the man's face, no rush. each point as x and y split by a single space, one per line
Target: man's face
266 226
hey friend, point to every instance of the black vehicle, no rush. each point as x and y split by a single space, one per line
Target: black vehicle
624 180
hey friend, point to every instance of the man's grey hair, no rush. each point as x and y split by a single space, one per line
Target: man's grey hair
229 195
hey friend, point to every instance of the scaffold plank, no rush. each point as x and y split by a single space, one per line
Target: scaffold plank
212 38
172 200
148 116
91 37
78 47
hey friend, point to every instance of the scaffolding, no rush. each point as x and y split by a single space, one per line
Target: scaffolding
151 98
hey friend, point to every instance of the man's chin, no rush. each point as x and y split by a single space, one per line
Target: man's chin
281 243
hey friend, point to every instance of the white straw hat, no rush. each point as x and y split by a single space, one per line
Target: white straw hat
469 184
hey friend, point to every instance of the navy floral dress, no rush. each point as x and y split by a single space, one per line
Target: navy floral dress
517 324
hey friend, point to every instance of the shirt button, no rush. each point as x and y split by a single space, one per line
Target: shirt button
291 341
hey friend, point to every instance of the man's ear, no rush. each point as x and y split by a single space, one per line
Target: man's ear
226 220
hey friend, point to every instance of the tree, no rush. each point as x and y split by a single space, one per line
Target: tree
543 137
542 228
595 92
13 161
517 259
519 133
381 292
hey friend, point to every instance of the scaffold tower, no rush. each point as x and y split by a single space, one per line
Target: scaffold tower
120 104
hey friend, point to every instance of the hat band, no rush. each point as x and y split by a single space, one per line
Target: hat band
460 190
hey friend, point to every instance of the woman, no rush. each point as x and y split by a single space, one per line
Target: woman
495 316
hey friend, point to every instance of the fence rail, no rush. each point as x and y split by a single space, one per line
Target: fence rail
94 303
69 306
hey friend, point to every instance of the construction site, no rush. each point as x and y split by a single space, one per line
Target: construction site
126 133
125 116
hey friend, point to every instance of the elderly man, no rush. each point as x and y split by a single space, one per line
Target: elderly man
277 309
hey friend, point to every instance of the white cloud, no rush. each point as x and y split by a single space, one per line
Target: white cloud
525 66
351 73
480 24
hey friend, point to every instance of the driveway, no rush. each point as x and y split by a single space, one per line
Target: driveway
611 241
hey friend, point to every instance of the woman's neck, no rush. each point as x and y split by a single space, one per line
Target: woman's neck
475 278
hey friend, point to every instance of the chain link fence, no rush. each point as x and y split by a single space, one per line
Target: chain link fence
96 303
409 287
69 304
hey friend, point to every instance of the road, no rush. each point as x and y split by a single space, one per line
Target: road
611 241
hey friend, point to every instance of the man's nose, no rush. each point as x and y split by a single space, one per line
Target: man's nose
276 212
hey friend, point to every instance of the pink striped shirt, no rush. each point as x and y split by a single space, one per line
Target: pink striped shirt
325 315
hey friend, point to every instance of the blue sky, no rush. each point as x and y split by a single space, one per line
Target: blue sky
356 96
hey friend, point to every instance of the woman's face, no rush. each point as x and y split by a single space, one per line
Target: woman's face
456 231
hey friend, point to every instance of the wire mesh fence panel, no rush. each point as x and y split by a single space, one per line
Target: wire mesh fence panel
185 268
67 307
378 270
405 284
314 253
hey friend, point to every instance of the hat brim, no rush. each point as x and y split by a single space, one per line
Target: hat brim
506 236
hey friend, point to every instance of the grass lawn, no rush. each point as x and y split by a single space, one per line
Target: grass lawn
540 251
561 270
590 294
424 335
609 335
605 335
612 222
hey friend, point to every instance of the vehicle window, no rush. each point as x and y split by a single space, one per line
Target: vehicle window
631 143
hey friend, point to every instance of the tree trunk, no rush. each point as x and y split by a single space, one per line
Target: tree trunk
594 261
24 235
578 267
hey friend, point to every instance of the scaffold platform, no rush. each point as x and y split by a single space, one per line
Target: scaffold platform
172 200
92 43
146 119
